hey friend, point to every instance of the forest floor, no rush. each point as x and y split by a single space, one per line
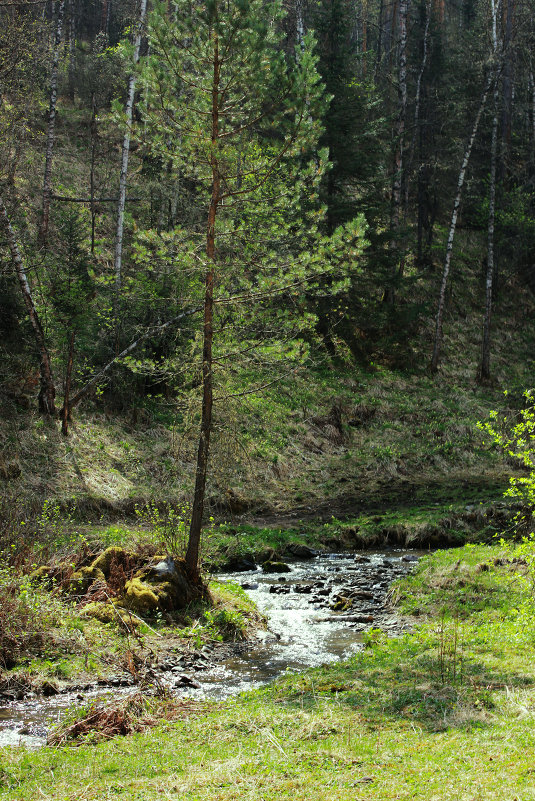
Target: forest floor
443 712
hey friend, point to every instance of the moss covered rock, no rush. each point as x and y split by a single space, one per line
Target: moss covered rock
140 597
163 585
47 575
44 573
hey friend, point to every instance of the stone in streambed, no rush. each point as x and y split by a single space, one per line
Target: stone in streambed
240 565
276 567
301 551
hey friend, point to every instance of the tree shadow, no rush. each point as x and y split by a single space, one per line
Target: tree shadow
406 683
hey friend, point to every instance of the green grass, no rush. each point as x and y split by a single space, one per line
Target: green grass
445 712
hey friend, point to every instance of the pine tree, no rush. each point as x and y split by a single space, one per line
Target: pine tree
237 116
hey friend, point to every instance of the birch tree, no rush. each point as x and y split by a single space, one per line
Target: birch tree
129 109
437 343
484 371
47 391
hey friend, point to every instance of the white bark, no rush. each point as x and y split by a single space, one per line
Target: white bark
453 224
484 372
417 99
124 163
47 390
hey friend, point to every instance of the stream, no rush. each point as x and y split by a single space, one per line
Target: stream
317 613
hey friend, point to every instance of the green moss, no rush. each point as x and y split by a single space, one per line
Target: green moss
104 560
82 579
42 573
140 597
105 613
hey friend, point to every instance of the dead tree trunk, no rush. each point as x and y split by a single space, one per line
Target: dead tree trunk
397 180
118 257
65 409
103 373
47 392
194 539
453 224
45 218
508 86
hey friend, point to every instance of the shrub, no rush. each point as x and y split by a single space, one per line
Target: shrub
28 613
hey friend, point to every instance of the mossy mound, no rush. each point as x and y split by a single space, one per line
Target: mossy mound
113 554
50 575
44 574
82 579
105 613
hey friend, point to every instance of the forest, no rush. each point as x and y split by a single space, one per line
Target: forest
267 296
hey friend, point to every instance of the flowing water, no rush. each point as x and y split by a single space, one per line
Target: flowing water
303 631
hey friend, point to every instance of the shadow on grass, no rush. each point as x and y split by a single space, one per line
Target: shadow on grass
401 680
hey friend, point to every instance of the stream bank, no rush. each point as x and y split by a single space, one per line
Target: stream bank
317 613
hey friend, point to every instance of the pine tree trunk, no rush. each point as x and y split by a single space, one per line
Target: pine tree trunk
194 539
380 15
484 372
47 392
118 257
364 36
72 49
453 224
532 110
45 218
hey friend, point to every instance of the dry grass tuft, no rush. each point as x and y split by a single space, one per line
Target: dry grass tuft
136 713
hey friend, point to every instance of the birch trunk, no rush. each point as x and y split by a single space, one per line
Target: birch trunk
45 218
194 539
118 257
417 99
453 224
47 392
484 370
